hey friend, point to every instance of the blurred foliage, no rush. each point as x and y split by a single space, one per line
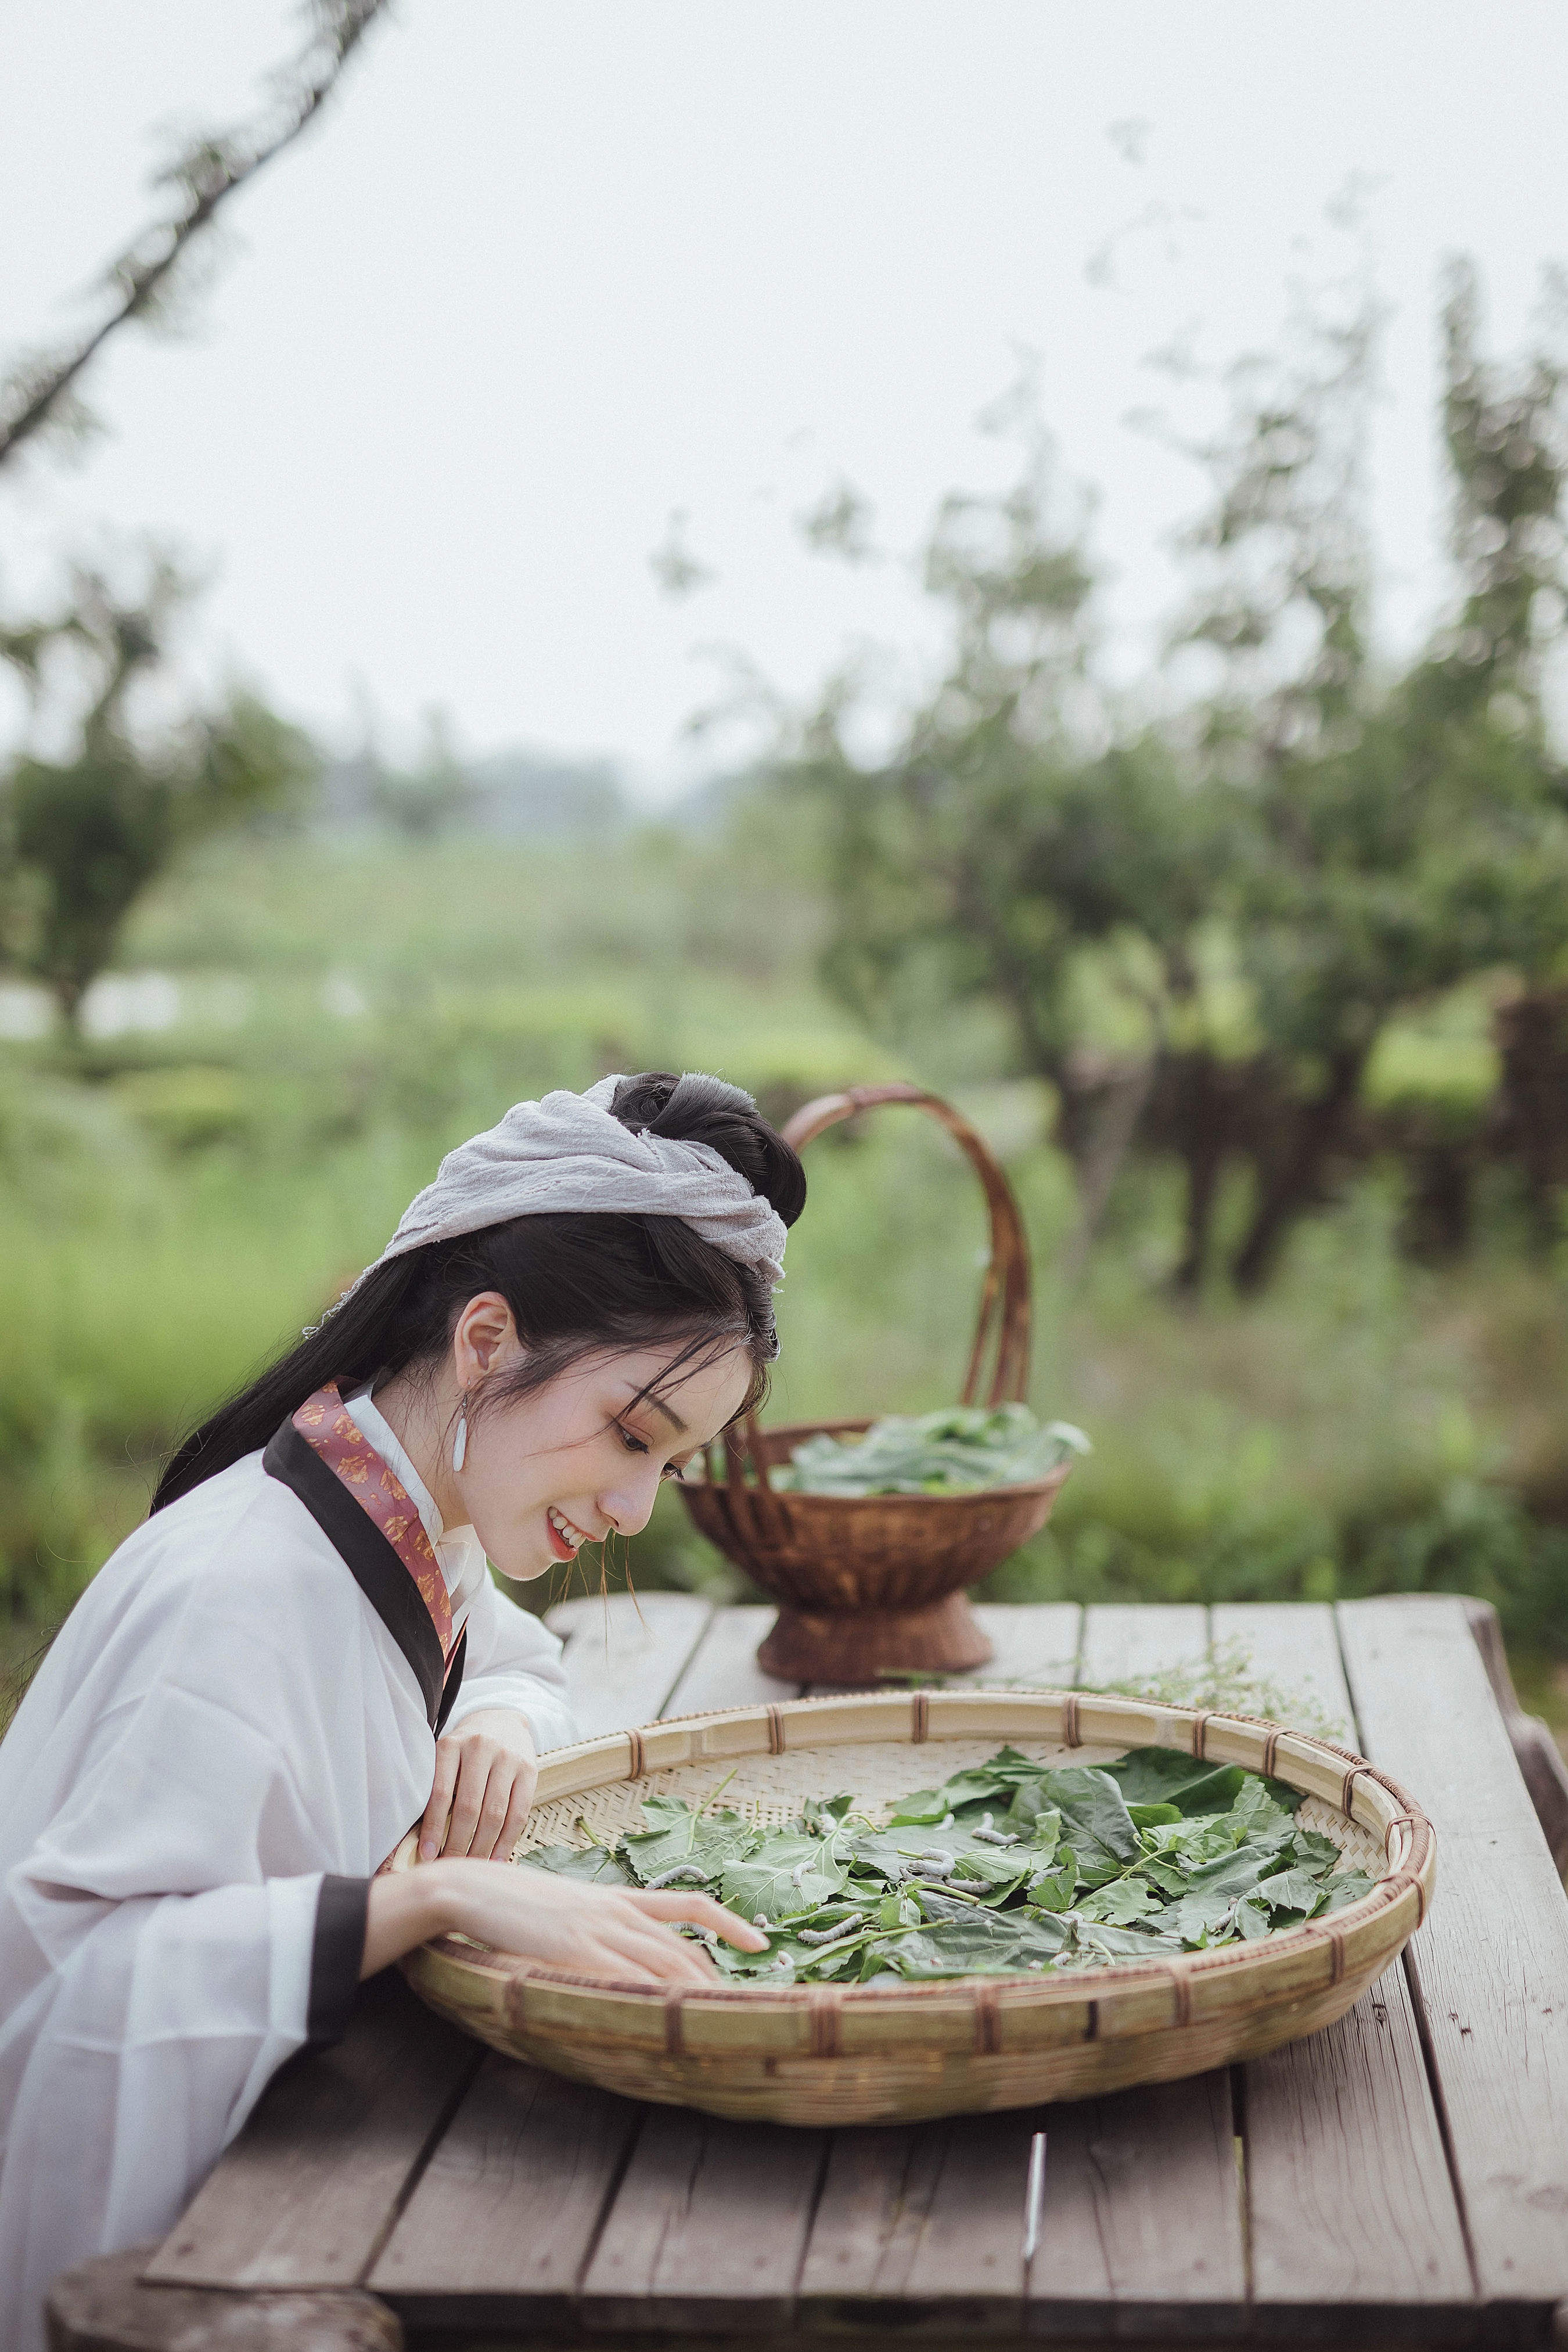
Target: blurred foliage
82 837
173 1205
1264 1004
1200 932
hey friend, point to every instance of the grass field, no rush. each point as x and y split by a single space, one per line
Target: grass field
183 1199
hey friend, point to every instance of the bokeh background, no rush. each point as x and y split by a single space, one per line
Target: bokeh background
1018 553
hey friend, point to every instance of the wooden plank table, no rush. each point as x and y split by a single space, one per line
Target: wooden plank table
1399 2179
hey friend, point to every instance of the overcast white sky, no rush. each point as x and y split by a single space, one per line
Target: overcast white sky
551 272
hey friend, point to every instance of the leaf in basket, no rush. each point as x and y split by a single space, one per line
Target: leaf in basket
595 1864
1291 1890
923 1806
1261 1803
1202 1839
1158 1776
959 1883
971 1789
1122 1902
963 1450
982 1944
1032 1813
1097 1820
790 1875
991 1875
1197 1917
1099 1939
1054 1889
677 1833
1346 1886
1234 1874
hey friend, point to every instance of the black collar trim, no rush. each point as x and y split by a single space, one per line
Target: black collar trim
374 1564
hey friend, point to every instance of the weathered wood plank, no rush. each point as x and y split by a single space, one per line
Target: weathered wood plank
311 2187
102 2306
1294 1646
1034 1643
1489 1968
500 2226
1350 2201
626 1653
1125 1645
1140 2234
1537 1754
707 2228
723 1671
920 2225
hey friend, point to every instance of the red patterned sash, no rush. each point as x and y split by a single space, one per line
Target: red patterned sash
327 1428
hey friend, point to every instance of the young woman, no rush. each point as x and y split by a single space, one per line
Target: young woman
301 1651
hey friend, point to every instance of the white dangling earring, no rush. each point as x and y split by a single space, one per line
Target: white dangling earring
460 1442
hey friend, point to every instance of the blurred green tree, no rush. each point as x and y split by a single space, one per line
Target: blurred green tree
427 799
1258 887
81 836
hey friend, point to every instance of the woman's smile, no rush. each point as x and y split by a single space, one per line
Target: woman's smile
566 1540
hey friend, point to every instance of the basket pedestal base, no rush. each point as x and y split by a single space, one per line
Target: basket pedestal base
857 1645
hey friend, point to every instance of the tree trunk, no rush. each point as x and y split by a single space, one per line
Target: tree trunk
1291 1182
1532 1038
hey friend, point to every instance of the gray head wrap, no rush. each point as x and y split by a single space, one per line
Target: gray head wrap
568 1153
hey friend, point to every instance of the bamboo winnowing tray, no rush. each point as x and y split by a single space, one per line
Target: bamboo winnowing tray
833 2053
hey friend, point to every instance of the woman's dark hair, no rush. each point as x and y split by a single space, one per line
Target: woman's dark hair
575 1284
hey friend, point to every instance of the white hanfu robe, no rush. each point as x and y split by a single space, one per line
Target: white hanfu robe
224 1743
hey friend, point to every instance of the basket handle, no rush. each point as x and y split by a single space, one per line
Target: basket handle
1004 1296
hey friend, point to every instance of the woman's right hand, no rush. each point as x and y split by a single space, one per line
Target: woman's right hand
617 1932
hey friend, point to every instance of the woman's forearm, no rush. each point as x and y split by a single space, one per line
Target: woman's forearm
406 1908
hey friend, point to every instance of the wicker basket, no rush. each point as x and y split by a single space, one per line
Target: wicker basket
873 1584
828 2053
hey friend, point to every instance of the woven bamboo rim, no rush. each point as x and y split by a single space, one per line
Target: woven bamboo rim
829 2054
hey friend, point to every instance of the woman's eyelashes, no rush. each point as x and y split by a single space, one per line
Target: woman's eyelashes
635 1445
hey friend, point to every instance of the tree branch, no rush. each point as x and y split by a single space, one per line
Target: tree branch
36 395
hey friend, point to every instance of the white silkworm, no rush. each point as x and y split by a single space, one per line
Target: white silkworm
996 1837
682 1870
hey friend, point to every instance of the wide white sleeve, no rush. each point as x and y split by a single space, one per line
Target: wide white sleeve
514 1661
176 1915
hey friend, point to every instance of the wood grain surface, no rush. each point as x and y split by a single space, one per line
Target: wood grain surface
722 1670
1489 1969
1122 1644
1142 2229
1293 1646
311 2188
501 2221
1033 1644
708 2226
922 2224
1350 2206
626 1653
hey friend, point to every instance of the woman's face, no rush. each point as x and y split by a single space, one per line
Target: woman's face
582 1458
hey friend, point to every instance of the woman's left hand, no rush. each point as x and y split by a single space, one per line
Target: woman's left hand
485 1774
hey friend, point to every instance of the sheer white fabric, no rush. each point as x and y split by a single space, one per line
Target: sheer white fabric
222 1719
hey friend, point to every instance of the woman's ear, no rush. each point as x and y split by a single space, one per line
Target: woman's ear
483 1335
